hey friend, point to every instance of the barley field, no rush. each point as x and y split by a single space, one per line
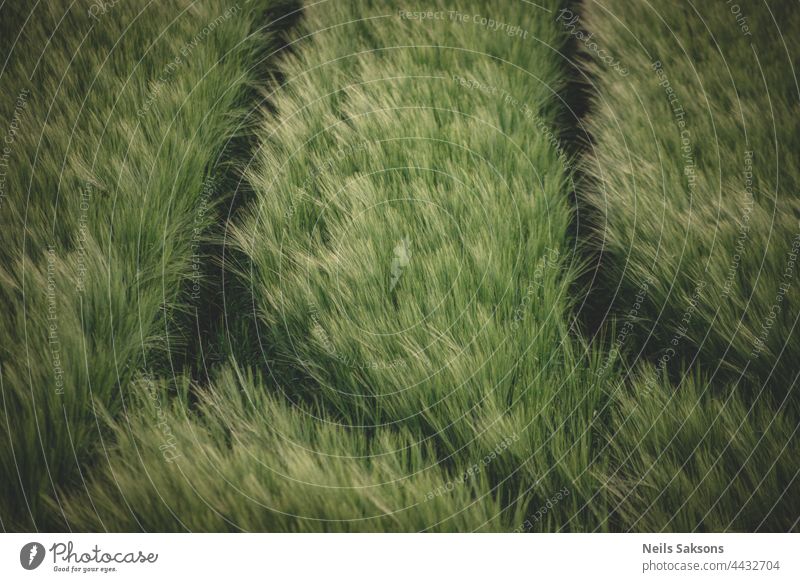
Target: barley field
363 266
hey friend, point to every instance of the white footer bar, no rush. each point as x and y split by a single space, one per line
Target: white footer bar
400 557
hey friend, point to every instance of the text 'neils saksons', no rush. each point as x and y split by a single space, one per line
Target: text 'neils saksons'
664 548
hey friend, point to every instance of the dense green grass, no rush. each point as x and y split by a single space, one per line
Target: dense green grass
359 301
699 240
697 179
428 358
699 457
247 460
124 115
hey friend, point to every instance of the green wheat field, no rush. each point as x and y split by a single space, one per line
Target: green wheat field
376 266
